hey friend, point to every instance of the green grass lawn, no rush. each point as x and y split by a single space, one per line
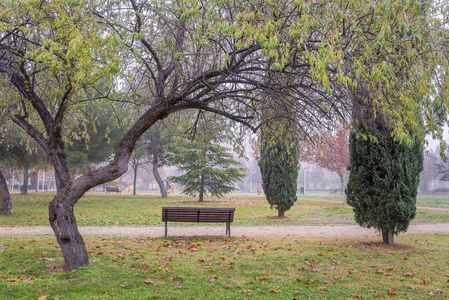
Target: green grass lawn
98 209
417 267
441 201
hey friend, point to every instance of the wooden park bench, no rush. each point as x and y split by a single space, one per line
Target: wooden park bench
198 214
113 189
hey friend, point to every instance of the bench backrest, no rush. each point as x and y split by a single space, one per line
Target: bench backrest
198 214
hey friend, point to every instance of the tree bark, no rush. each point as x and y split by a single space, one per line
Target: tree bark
388 237
24 187
280 212
201 189
158 178
57 183
5 197
63 222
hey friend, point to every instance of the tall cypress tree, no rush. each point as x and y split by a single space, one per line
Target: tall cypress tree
279 168
383 184
384 176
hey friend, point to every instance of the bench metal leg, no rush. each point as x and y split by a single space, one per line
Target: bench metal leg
228 229
165 228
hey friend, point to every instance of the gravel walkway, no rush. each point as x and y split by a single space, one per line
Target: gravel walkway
239 231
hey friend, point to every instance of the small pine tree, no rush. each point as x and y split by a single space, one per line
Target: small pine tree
383 184
279 168
207 169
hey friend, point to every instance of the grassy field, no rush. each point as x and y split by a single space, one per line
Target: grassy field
31 267
417 267
98 209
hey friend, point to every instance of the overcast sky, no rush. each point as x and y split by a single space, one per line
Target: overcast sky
433 144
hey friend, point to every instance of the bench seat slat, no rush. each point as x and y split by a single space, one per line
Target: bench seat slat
198 214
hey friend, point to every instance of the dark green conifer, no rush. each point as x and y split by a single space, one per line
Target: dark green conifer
208 169
383 184
279 168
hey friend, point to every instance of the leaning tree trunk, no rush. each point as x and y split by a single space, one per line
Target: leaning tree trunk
63 222
61 208
5 197
61 214
158 178
388 237
24 187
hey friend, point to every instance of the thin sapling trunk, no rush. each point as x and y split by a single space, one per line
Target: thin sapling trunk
158 178
24 187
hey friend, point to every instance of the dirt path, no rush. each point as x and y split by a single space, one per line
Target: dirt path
248 231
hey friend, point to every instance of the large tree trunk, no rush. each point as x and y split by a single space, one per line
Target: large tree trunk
63 222
57 183
61 215
388 237
158 178
201 189
5 197
280 212
24 187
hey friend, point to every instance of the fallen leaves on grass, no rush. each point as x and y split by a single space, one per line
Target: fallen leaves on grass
14 284
48 258
392 291
354 295
262 278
